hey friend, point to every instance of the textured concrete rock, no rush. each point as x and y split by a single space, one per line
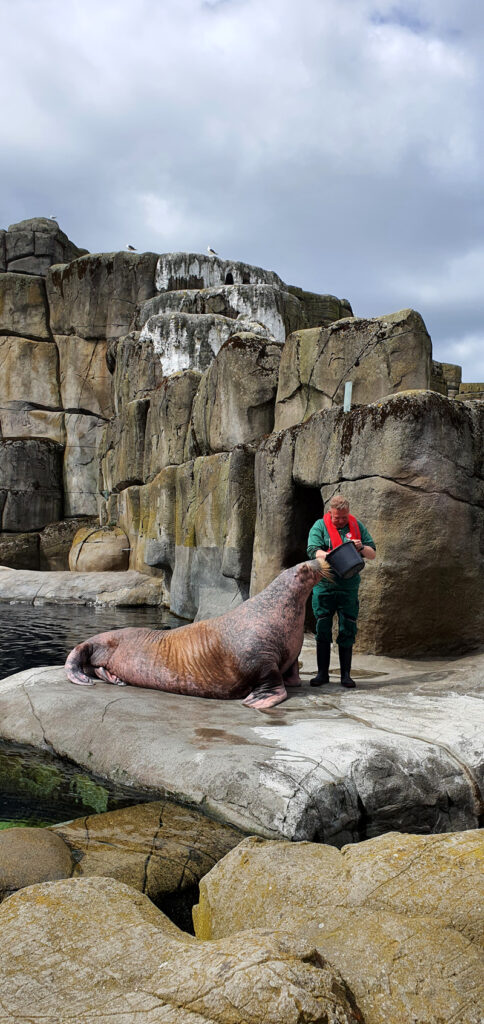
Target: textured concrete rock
159 848
34 245
3 255
56 540
23 307
320 310
94 297
182 341
235 401
99 549
122 448
403 751
167 422
23 419
470 392
30 855
31 481
410 466
278 310
20 550
90 588
381 356
147 515
215 512
398 916
84 378
29 373
177 270
83 435
122 959
136 369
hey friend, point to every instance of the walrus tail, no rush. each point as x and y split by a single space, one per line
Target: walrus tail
79 659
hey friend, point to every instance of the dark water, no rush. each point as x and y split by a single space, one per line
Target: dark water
34 636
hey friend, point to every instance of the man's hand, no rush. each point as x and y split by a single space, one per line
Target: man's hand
358 545
320 554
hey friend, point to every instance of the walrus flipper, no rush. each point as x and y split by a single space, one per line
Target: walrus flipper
269 692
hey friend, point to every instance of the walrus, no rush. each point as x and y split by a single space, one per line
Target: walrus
249 652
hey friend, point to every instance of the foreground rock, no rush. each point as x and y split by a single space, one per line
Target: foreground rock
29 855
159 848
403 751
401 917
94 948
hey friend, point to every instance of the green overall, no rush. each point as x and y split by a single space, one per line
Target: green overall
340 596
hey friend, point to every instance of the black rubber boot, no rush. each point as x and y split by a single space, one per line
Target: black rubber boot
345 654
323 654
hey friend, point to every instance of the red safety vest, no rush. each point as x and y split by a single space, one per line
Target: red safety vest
335 539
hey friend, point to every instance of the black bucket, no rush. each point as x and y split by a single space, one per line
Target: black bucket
345 560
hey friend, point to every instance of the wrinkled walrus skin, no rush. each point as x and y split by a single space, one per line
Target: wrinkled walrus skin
249 652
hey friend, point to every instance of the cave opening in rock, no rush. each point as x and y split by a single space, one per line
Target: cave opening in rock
246 278
307 506
229 278
178 906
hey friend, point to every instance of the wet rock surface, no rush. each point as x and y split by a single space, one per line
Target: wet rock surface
403 751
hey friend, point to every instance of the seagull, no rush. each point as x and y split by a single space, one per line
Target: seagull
211 252
53 217
131 248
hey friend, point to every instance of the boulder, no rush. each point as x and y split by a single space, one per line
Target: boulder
410 466
177 270
30 855
320 310
470 392
94 297
167 422
158 848
31 483
23 307
55 542
99 549
381 356
83 435
20 550
84 378
147 515
32 246
121 959
399 916
235 401
278 310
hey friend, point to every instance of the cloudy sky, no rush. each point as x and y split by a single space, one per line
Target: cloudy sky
337 142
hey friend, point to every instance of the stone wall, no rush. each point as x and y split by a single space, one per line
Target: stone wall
196 404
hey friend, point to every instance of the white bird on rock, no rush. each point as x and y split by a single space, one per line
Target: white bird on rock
211 252
131 248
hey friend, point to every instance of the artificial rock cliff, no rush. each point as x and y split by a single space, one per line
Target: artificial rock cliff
192 408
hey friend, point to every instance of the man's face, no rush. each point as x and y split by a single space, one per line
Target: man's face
339 517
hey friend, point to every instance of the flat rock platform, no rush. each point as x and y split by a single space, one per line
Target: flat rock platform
404 751
28 586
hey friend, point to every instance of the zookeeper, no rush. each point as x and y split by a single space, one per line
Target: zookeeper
341 596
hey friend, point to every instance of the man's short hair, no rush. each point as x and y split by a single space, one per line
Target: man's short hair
339 501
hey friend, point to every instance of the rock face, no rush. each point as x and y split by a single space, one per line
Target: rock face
428 480
95 296
122 958
235 400
381 356
186 270
399 916
31 492
23 307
